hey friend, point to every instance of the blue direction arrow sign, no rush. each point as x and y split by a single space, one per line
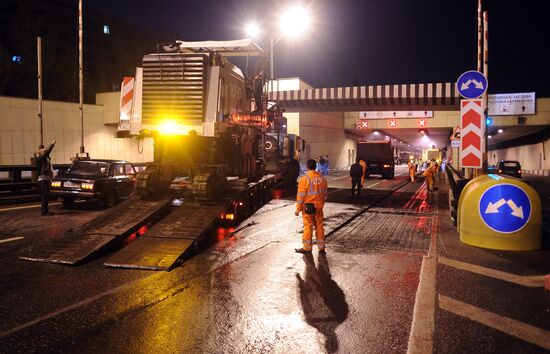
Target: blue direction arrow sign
505 208
471 84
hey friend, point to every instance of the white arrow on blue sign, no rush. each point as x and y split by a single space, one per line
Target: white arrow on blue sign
505 208
471 84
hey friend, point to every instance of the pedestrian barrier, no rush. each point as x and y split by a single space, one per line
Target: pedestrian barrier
501 213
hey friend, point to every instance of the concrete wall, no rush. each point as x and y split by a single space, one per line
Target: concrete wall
20 132
324 135
533 158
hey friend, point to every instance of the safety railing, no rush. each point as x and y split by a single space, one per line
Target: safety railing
456 182
21 180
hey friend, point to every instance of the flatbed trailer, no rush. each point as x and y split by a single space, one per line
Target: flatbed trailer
173 231
105 232
169 241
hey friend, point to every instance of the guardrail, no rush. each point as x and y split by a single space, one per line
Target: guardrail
456 182
21 180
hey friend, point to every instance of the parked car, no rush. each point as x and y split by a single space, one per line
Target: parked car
106 181
510 168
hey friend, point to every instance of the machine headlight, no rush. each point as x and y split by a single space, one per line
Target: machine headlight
56 184
88 186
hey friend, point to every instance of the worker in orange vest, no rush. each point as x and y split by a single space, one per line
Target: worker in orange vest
310 200
412 170
429 174
364 165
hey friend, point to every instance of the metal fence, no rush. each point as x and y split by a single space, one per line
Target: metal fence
21 180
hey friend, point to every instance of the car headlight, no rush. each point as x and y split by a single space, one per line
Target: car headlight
56 184
88 186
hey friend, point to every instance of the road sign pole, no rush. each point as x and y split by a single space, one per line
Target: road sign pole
479 31
486 74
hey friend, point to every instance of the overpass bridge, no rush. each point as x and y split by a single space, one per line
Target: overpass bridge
414 116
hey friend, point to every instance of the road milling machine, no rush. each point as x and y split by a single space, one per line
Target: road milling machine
197 106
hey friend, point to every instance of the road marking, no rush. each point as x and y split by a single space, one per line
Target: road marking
534 281
422 327
523 331
11 239
340 177
372 185
26 207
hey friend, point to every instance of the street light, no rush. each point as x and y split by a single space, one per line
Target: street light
292 23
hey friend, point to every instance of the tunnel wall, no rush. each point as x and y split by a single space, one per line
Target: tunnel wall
533 158
324 135
20 133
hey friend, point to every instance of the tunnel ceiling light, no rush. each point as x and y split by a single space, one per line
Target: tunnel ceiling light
500 131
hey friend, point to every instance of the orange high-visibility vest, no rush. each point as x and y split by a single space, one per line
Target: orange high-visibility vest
312 188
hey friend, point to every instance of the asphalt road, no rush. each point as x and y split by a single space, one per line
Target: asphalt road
249 292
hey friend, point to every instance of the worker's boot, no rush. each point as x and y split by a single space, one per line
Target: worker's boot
301 250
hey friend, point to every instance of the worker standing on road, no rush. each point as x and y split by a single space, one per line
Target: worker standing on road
429 174
412 170
364 166
310 200
357 175
45 175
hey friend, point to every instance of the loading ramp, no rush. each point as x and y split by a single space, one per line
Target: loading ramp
168 241
100 234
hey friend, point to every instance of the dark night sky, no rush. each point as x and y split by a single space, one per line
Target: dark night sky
370 42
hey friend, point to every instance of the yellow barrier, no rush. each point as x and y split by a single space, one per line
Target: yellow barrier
500 213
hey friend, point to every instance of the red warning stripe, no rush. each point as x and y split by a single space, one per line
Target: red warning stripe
471 160
465 102
471 139
471 117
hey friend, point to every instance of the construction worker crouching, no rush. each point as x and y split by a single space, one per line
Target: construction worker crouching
310 200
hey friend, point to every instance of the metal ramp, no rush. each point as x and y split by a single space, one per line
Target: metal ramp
169 240
99 234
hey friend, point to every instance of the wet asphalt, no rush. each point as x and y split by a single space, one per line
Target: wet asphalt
248 292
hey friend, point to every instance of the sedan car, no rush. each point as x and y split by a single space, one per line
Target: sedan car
509 168
106 181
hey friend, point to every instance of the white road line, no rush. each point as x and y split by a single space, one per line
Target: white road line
523 331
422 327
26 207
534 281
340 177
11 239
372 185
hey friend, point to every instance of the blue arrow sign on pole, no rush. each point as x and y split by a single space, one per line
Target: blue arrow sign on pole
505 208
471 84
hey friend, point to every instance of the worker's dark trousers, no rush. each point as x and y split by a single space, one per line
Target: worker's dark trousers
356 181
45 194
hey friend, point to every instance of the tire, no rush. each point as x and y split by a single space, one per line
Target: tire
111 198
67 202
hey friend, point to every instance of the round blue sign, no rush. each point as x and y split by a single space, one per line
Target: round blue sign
471 84
505 208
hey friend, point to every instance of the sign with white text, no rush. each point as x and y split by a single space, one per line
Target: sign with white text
395 114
